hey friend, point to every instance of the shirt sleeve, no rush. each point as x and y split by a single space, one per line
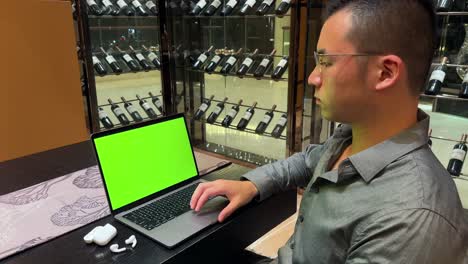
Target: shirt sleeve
295 171
408 236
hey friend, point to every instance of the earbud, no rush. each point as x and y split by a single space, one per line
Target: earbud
131 240
115 248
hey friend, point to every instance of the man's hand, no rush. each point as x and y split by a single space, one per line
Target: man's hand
238 193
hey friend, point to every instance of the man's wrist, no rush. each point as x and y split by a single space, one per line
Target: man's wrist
253 191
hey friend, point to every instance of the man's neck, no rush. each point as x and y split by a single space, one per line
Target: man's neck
380 127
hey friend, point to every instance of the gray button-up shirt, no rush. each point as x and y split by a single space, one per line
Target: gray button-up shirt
391 203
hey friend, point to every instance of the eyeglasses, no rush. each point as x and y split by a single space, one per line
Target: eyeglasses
322 61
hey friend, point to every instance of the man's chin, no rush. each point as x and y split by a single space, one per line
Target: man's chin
329 116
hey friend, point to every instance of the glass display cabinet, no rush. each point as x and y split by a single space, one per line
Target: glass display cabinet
120 46
234 74
445 96
230 66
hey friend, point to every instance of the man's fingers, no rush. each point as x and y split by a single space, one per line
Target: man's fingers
209 192
227 211
197 193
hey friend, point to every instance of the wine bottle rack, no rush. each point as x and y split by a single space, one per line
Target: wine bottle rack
234 16
451 65
444 96
452 13
102 128
233 74
247 130
237 153
132 100
126 71
122 17
247 106
445 139
233 127
96 28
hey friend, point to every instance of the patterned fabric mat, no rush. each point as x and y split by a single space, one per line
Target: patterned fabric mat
36 214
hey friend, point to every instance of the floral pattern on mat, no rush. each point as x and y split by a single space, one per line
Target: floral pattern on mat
31 194
91 179
84 210
38 213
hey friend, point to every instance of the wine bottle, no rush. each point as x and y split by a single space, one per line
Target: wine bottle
230 62
458 157
202 58
219 55
104 118
264 65
464 88
247 6
202 109
262 126
264 7
437 78
98 66
246 64
444 5
153 57
198 7
283 8
110 9
132 64
247 117
216 112
187 5
131 110
141 59
231 114
123 119
152 7
173 4
280 126
429 140
94 8
280 68
139 8
112 62
229 7
212 8
125 8
157 102
146 107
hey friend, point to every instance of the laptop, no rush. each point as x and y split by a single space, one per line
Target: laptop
149 174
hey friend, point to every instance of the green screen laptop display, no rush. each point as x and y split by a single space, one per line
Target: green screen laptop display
139 162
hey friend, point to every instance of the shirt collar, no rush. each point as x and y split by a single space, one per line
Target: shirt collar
371 161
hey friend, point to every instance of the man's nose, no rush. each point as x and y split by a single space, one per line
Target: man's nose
315 78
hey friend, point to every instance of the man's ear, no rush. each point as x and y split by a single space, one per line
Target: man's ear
390 69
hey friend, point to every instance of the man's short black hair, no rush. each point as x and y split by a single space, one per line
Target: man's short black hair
405 28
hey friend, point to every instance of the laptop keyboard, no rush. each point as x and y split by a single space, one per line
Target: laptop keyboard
159 212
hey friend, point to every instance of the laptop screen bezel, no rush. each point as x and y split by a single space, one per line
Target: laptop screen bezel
135 126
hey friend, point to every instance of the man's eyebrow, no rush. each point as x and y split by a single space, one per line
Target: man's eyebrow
321 51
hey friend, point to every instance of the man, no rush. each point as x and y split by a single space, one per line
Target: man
375 191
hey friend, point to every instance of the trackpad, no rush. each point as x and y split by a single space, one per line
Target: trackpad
185 225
